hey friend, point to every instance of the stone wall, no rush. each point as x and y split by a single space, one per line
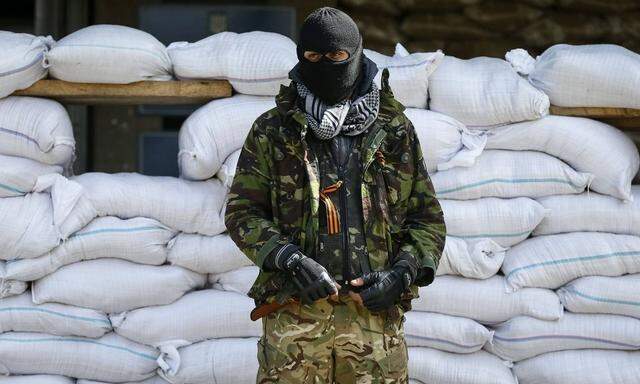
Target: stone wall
469 28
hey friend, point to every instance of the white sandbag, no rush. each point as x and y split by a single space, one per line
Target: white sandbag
598 75
238 280
255 63
484 91
112 285
152 380
22 61
20 314
600 294
18 175
26 226
445 142
72 210
215 131
476 259
524 337
216 362
486 300
188 206
433 366
227 171
591 366
139 240
197 316
586 145
112 54
10 288
38 129
443 332
34 224
408 74
591 212
554 260
36 379
508 174
110 358
505 221
206 254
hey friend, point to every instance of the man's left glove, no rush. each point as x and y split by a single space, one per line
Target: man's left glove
383 288
311 278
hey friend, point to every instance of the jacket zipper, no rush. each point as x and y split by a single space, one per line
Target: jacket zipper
344 228
346 262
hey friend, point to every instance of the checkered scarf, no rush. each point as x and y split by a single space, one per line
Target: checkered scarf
346 117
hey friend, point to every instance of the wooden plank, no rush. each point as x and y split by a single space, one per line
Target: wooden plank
143 92
625 124
595 112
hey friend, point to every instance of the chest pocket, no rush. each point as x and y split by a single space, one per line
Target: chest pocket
288 188
395 174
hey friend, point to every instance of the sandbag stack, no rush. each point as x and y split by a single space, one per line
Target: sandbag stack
117 267
463 325
60 325
84 253
211 334
39 208
40 211
575 174
129 286
587 246
489 207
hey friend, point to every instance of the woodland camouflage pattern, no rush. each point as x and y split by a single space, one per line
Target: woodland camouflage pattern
274 198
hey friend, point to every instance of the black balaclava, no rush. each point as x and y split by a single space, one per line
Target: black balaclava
326 30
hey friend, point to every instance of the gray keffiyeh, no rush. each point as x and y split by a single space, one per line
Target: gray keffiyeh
346 117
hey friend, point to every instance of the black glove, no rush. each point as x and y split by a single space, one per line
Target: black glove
312 279
383 288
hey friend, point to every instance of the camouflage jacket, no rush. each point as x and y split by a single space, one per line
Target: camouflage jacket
274 198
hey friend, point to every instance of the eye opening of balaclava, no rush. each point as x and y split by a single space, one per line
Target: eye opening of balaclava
327 30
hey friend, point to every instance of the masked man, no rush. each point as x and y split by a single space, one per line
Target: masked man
331 199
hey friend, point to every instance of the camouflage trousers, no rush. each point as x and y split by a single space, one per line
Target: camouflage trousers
331 342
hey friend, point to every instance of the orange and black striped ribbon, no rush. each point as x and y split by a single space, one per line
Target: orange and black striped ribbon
333 218
380 157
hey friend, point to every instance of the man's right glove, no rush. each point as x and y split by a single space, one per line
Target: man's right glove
383 288
311 279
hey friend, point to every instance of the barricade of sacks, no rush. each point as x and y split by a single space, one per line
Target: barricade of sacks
123 278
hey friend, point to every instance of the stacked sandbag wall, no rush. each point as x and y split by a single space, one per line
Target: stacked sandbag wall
131 278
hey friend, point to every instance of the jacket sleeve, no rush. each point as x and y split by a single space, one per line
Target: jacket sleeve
249 214
424 228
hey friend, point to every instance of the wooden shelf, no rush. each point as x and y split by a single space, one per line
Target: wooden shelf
595 112
623 118
199 92
143 92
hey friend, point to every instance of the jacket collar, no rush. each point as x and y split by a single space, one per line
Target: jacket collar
287 99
